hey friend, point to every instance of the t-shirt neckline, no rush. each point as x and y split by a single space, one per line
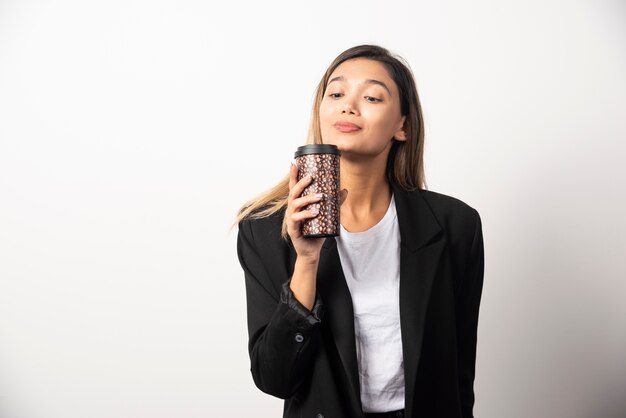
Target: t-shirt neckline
355 237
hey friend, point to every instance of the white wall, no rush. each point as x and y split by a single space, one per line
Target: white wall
132 130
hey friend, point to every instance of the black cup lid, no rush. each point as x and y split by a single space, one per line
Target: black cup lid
317 149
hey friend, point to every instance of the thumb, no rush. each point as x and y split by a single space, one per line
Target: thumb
343 195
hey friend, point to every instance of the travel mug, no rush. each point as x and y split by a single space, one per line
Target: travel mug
321 162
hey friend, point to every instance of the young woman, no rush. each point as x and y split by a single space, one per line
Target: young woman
380 321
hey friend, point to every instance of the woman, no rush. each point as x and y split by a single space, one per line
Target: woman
380 321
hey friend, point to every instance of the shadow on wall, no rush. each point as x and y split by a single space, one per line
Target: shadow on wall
611 402
559 297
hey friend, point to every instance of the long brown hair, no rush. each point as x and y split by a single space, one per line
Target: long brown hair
405 164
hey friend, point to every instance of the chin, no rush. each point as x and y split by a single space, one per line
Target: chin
331 142
342 147
337 142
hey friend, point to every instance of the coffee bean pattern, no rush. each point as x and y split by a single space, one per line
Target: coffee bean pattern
324 169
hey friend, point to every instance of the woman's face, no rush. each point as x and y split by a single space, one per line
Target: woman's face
360 111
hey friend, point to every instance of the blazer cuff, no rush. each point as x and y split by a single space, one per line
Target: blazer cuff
312 316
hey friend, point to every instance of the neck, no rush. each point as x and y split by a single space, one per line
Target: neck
369 192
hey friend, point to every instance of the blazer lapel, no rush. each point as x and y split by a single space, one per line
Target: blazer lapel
339 315
422 244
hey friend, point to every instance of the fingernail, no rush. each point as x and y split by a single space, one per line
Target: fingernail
319 195
315 211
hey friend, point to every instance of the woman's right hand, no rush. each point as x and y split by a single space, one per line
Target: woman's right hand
307 249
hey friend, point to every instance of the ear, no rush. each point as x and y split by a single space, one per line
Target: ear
400 135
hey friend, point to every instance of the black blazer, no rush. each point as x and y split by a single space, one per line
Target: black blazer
309 359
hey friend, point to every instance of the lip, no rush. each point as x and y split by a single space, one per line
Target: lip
346 127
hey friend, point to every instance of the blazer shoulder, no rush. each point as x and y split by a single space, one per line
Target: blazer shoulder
451 211
446 202
263 230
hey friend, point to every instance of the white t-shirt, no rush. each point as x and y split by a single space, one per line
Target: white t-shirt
371 265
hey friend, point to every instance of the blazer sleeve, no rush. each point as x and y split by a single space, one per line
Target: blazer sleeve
283 334
467 307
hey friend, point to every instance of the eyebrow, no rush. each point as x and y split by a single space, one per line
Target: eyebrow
368 81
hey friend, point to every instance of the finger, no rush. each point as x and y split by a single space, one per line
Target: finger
343 195
299 203
299 187
304 214
293 174
293 229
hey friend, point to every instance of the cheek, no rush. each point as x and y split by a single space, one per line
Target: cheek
375 119
324 112
383 121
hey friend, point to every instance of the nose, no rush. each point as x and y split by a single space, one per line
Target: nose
349 108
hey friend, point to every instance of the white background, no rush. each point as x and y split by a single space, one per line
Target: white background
132 130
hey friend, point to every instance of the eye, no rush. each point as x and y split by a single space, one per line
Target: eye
335 95
372 99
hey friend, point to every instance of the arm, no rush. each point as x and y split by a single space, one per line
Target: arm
283 334
467 307
283 330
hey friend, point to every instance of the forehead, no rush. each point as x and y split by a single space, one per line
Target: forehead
358 70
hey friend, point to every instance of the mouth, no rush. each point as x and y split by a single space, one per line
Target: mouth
346 127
